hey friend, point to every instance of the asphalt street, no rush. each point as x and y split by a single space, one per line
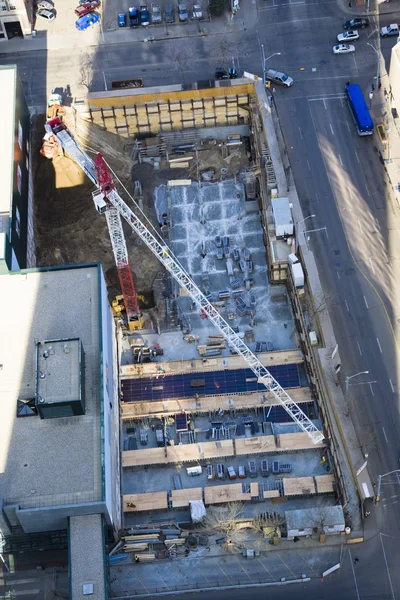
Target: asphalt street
339 179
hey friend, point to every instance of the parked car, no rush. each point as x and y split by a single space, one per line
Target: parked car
348 36
279 77
343 49
156 14
183 12
197 12
170 13
134 19
46 14
356 23
87 7
87 21
221 73
122 20
144 16
392 29
44 5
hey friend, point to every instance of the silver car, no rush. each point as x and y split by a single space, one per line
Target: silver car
46 14
156 15
44 5
197 12
343 49
348 36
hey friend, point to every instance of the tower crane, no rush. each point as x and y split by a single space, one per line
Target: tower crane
107 200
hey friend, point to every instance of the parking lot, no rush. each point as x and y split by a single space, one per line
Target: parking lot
162 15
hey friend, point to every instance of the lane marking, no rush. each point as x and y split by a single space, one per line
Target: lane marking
371 388
387 568
330 125
323 100
301 135
337 273
340 158
309 168
347 306
359 348
367 188
395 496
354 576
366 303
379 345
391 385
358 160
347 123
384 433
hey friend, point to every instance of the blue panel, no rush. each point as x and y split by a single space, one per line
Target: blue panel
215 383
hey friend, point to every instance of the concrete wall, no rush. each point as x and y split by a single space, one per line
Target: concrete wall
54 518
151 110
110 414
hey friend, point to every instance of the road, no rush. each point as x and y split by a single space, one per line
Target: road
339 179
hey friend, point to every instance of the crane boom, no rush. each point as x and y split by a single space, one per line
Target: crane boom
165 256
108 200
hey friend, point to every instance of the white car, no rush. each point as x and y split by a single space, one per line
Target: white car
46 14
343 49
44 5
348 36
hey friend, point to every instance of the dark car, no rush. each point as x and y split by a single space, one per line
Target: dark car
169 13
356 23
134 20
122 20
144 16
221 73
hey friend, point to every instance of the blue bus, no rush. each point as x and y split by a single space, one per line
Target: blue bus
359 109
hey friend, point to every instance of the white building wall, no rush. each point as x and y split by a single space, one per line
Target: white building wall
111 412
394 75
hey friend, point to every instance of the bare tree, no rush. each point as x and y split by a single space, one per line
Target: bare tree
366 440
224 519
319 302
227 47
317 518
181 56
86 73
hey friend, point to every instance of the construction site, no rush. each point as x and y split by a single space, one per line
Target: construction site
218 401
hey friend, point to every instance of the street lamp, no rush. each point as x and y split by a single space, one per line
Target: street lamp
351 377
299 223
379 62
265 59
380 477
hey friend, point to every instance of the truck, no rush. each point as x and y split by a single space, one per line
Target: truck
392 29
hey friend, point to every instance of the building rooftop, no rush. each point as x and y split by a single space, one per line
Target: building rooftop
55 461
8 79
87 552
58 364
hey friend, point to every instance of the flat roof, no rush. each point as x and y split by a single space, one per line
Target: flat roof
8 79
59 367
87 558
51 461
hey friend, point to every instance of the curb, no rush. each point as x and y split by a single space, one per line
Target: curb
214 589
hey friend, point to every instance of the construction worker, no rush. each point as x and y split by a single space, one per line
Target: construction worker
137 559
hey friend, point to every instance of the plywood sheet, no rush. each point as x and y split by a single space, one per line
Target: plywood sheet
218 494
142 502
184 453
254 491
324 483
271 494
180 498
298 486
255 445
